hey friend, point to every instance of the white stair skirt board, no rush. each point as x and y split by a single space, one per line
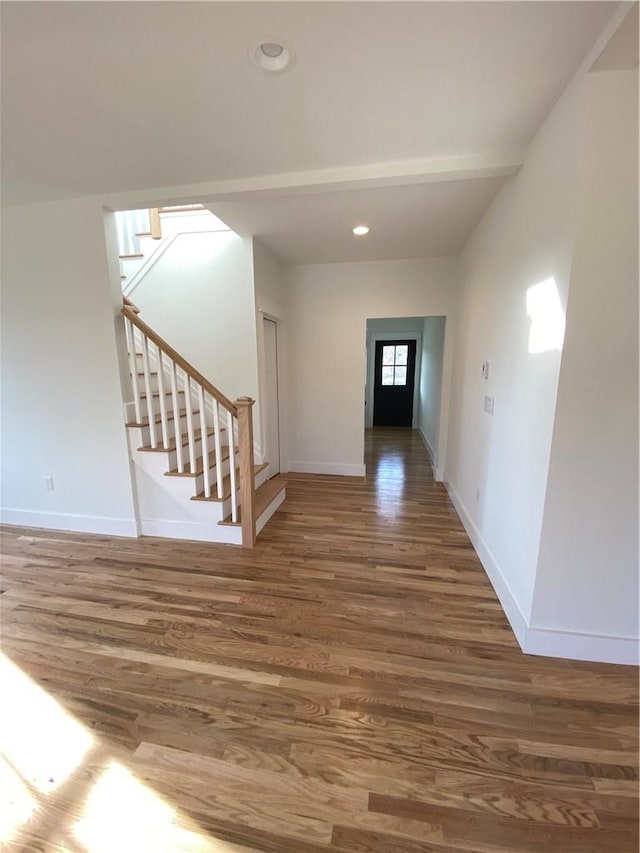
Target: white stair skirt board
337 468
534 640
165 504
167 529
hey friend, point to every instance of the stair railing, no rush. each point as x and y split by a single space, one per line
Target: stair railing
206 412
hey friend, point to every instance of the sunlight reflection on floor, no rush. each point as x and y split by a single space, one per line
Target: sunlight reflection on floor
390 484
48 799
41 741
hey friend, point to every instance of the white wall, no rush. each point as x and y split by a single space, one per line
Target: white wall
199 297
587 579
497 465
62 411
270 281
328 308
431 363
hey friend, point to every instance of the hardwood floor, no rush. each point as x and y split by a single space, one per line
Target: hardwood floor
351 684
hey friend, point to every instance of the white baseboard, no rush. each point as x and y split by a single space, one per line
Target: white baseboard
512 610
426 443
340 469
438 473
74 523
543 641
213 532
589 647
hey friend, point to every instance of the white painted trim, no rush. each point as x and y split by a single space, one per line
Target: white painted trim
74 523
438 473
532 639
372 339
511 608
192 530
428 447
281 362
129 413
338 468
589 647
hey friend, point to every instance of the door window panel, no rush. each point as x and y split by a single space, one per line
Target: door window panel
388 355
387 375
394 364
400 376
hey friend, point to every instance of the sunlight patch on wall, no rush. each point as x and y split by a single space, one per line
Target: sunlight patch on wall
547 317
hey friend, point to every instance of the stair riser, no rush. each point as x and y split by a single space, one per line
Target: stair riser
173 454
199 480
171 426
168 402
138 436
153 380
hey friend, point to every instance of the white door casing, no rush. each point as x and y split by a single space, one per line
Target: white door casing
271 403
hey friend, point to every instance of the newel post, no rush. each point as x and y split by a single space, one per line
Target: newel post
247 480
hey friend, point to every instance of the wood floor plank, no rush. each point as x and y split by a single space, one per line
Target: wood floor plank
349 685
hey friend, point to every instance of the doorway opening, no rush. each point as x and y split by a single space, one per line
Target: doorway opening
403 384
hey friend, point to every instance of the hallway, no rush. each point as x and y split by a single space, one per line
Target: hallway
349 685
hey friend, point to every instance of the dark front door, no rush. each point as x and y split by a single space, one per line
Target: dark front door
393 386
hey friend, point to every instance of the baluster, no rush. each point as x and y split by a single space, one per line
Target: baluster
232 467
218 451
163 402
192 438
147 388
133 367
176 419
203 439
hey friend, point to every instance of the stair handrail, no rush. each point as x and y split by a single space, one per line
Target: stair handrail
130 311
241 411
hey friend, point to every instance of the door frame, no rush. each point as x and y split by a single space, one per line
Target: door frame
259 426
372 339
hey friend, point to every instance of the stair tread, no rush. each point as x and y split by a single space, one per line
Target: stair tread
265 494
158 418
226 486
224 450
143 394
172 444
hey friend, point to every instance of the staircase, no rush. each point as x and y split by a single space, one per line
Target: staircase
144 235
192 448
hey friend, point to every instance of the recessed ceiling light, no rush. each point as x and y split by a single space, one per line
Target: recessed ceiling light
361 230
272 55
271 49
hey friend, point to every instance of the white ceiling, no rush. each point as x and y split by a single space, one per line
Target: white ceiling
406 222
100 98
